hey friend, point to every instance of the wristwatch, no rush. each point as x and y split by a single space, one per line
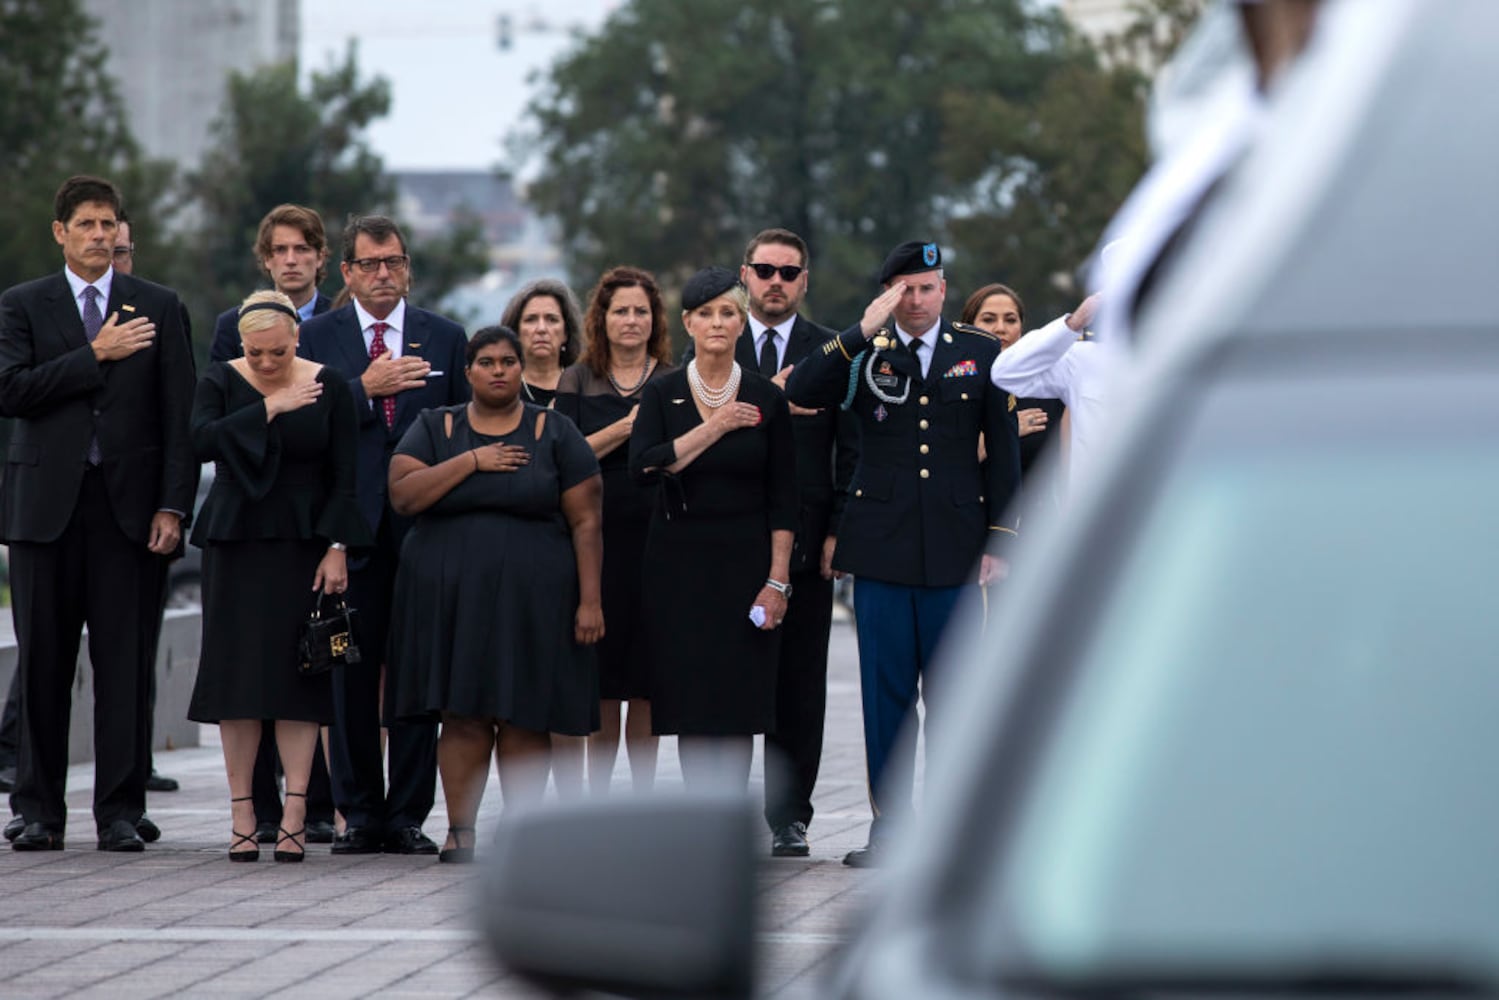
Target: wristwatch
784 589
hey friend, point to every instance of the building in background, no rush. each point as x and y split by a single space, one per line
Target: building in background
172 58
1099 20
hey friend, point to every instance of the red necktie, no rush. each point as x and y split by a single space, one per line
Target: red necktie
377 348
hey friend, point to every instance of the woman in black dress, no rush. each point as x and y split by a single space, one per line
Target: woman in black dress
997 309
717 559
282 433
498 586
626 348
545 316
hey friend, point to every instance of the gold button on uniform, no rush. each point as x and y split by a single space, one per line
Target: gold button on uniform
965 395
925 449
924 425
922 401
858 493
925 474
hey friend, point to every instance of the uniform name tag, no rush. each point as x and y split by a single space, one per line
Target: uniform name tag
887 381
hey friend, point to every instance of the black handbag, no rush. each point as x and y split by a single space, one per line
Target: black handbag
324 640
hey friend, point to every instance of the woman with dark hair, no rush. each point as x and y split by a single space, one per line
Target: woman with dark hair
718 555
997 309
545 315
498 586
625 348
282 433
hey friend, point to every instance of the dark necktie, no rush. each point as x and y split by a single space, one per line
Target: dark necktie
768 362
93 322
916 345
377 348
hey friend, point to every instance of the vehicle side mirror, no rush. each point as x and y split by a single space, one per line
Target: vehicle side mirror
643 897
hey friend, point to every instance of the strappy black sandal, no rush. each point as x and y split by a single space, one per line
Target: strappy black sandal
243 838
282 833
457 854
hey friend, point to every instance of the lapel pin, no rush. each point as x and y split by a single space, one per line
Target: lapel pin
412 347
679 401
127 307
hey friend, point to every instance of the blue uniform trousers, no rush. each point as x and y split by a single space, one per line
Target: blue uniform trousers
898 629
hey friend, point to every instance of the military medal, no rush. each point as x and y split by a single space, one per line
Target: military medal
873 381
881 342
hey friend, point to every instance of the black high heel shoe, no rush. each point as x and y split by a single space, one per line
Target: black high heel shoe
282 833
243 838
457 854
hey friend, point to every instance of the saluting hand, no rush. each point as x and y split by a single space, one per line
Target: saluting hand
500 457
1083 314
880 309
117 340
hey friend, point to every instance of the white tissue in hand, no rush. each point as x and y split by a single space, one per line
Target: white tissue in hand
757 616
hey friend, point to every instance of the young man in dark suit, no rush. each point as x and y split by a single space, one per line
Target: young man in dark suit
776 339
99 481
922 507
291 247
400 360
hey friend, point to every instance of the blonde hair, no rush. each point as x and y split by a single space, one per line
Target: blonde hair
257 320
738 295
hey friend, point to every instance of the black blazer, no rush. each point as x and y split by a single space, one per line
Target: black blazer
226 345
921 508
335 339
827 446
61 396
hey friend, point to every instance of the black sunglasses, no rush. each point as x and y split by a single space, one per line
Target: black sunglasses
788 272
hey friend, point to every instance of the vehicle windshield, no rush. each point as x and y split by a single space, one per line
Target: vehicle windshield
1279 747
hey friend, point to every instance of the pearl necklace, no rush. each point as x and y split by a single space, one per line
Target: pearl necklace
645 373
712 398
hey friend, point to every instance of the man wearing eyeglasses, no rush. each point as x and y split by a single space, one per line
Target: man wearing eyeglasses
400 360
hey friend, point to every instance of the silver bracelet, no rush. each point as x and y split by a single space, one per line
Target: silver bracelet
338 546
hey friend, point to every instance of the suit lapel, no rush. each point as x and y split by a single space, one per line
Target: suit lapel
65 315
945 354
801 344
744 349
414 344
351 342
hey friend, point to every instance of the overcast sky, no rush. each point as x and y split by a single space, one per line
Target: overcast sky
455 92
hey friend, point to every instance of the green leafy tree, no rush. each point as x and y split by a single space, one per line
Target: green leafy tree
677 131
60 115
276 141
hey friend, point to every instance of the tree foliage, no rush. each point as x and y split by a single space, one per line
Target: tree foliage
60 115
676 132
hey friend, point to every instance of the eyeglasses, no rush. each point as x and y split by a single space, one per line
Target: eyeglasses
120 253
369 265
788 272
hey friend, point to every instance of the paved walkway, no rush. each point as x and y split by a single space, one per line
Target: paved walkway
181 920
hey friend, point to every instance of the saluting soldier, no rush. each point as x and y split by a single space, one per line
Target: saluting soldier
921 508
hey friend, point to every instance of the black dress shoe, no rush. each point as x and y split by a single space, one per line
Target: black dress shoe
120 836
872 856
8 778
409 840
14 827
36 837
320 831
265 832
147 830
161 783
357 840
790 841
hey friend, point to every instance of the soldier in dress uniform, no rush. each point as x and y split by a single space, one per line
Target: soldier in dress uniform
922 508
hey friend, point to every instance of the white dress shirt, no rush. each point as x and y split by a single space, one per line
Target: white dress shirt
104 284
395 325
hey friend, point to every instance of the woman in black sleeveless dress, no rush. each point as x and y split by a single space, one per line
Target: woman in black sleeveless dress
498 586
626 349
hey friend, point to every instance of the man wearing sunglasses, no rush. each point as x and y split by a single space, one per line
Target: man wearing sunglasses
400 360
774 341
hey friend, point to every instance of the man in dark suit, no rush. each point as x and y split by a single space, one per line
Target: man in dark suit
99 480
400 360
922 507
774 341
291 247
